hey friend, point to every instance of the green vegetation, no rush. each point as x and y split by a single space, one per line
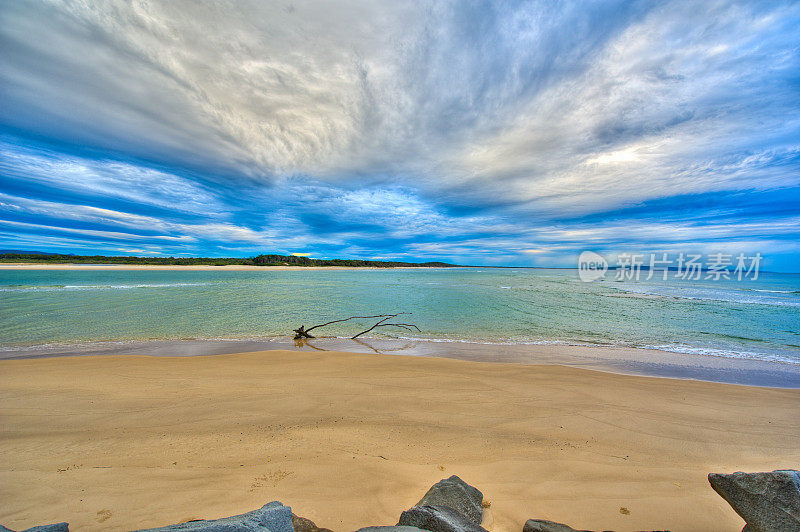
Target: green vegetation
259 260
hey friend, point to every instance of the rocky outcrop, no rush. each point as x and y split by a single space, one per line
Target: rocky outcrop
57 527
543 525
768 502
438 519
272 517
456 494
301 524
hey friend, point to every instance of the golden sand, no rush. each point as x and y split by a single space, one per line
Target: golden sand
349 440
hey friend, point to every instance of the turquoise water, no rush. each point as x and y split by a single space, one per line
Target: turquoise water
748 319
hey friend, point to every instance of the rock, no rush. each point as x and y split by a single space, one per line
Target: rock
458 495
272 517
301 524
543 525
767 501
57 527
438 519
390 529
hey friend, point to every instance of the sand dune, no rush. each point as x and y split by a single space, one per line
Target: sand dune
116 443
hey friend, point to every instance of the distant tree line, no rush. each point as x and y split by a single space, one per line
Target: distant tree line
258 260
293 260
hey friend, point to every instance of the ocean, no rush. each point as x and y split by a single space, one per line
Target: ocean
747 319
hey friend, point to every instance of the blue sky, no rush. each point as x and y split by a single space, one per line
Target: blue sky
508 133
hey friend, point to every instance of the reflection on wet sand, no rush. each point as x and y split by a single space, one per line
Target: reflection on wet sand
625 360
402 347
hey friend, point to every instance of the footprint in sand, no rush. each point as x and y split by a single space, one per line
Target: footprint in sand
270 479
103 515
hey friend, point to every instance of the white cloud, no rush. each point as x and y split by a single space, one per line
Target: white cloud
136 226
441 96
111 235
423 120
107 179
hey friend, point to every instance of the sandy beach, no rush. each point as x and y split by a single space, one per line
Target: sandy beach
330 253
349 440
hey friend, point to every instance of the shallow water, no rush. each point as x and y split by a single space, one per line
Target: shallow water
757 320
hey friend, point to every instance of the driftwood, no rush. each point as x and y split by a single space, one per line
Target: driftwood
301 332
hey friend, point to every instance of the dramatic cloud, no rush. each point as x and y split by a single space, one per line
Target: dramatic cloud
493 132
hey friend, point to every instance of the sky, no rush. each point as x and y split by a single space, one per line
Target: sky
492 133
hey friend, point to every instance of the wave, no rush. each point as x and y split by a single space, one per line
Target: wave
670 348
709 294
89 346
723 353
774 291
732 336
54 288
56 346
469 341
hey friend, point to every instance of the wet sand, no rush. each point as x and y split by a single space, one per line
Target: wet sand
349 440
614 359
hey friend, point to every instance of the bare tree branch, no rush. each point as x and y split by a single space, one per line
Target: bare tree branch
357 317
407 326
302 333
376 325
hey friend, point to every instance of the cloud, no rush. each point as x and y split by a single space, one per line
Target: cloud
86 233
270 88
416 128
660 105
104 179
135 226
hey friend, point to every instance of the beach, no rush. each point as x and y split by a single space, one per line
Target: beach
350 440
327 255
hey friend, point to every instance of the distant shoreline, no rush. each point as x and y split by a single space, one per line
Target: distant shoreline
199 267
247 267
19 258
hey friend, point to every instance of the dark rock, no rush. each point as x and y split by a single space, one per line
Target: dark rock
57 527
767 501
438 519
458 495
543 525
272 517
301 524
389 529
